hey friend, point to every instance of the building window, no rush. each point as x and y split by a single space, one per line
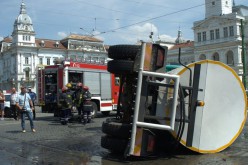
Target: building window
27 75
213 3
216 57
48 61
199 37
217 33
26 60
231 32
225 32
204 36
40 61
23 38
229 58
211 34
202 57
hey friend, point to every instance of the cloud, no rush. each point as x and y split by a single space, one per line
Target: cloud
1 38
62 34
140 32
165 37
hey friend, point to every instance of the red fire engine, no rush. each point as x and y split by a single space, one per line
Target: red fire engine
103 85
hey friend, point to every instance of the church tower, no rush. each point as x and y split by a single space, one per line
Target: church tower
218 7
23 33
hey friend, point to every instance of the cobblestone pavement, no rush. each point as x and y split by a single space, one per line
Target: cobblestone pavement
76 144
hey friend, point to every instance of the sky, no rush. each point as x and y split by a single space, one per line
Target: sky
112 21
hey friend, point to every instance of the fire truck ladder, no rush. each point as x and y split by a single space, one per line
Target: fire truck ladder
138 103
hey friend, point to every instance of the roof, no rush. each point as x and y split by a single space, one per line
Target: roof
82 37
46 43
183 45
7 39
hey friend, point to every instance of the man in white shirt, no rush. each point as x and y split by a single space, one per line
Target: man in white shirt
25 105
13 108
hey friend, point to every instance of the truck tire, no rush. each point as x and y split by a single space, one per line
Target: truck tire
123 51
113 144
120 66
106 113
117 129
95 109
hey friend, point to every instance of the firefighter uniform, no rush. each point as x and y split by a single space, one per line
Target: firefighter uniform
78 99
87 106
65 103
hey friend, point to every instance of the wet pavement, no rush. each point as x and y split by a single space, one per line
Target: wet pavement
76 144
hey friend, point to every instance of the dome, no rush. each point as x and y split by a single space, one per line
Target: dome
23 18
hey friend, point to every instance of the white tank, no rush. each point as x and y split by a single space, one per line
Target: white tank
220 121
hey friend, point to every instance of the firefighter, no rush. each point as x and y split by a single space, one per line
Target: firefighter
78 99
65 102
69 88
87 106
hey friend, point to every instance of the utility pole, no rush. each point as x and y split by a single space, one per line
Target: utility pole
243 53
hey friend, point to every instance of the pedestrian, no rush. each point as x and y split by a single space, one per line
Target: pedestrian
33 98
2 99
78 99
25 105
13 108
87 106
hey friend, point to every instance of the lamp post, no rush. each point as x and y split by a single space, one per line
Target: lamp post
243 53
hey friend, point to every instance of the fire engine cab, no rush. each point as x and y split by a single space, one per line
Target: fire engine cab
103 85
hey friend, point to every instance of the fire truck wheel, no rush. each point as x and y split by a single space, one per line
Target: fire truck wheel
120 66
63 122
115 145
123 51
116 129
94 111
106 113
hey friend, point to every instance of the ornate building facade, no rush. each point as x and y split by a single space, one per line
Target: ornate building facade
216 37
23 54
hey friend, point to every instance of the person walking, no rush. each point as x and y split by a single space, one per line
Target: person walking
33 98
25 105
87 106
13 108
2 99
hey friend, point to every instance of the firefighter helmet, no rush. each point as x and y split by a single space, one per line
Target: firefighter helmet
64 89
86 88
68 85
79 84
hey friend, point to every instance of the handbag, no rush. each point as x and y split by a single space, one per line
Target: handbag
23 107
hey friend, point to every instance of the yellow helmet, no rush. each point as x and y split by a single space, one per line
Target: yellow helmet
68 85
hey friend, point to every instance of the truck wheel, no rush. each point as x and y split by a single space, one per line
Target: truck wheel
106 113
120 66
64 122
116 129
95 109
123 51
115 145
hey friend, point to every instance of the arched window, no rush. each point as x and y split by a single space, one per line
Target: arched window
202 57
216 57
229 58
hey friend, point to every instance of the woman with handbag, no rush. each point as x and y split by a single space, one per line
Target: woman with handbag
25 105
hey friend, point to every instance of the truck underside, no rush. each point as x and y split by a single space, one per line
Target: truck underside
158 111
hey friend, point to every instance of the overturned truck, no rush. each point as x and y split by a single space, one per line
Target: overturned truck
202 106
